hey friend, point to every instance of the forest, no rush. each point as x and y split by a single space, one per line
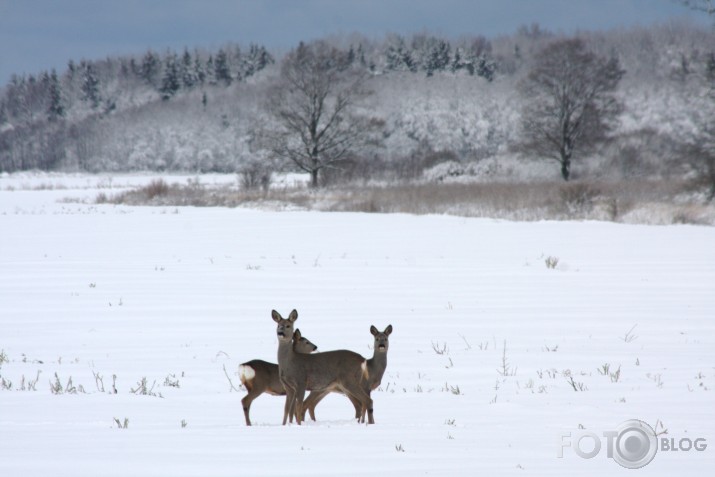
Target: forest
425 106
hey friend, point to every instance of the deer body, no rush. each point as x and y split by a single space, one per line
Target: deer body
340 370
260 377
373 369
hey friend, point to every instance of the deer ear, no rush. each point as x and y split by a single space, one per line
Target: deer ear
373 330
276 316
296 335
388 330
293 315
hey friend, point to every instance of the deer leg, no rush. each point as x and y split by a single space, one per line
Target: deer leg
288 408
246 403
312 401
357 405
299 396
363 397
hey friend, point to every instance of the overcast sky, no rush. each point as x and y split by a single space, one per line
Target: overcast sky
41 34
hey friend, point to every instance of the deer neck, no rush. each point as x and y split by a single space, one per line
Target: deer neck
377 363
285 351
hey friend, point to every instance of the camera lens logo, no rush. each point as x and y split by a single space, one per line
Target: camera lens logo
635 444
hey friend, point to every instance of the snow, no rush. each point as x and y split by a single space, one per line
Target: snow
179 294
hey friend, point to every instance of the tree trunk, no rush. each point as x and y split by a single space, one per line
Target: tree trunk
314 164
566 168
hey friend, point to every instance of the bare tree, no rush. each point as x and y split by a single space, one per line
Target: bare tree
570 105
315 105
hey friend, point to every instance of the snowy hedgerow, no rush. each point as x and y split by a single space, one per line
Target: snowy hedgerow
443 171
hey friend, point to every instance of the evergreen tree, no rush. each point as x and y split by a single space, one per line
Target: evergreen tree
361 55
170 83
188 76
4 119
136 69
255 60
55 109
486 68
199 72
210 71
239 60
71 69
222 70
261 57
456 63
150 68
438 56
90 84
399 58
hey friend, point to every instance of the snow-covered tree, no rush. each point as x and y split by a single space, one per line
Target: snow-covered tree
171 82
55 108
151 68
187 73
222 70
199 70
398 57
210 71
90 84
437 56
255 60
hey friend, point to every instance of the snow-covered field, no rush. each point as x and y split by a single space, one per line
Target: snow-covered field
495 356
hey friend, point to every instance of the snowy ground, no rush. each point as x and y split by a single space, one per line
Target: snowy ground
175 295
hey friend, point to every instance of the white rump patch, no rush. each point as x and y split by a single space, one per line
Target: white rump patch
246 372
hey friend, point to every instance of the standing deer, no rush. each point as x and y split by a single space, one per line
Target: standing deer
341 370
260 377
374 369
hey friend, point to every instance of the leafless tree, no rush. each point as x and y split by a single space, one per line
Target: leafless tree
570 105
315 106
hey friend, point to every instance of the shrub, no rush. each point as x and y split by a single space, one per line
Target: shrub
255 174
156 188
578 197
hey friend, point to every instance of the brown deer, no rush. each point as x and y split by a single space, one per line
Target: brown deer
374 369
342 370
260 377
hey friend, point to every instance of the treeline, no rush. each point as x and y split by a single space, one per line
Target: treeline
28 98
435 98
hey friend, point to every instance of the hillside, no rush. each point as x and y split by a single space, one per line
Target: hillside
437 100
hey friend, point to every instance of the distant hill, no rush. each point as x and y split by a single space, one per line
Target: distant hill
197 110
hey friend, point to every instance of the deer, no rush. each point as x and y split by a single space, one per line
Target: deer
374 369
341 370
260 377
